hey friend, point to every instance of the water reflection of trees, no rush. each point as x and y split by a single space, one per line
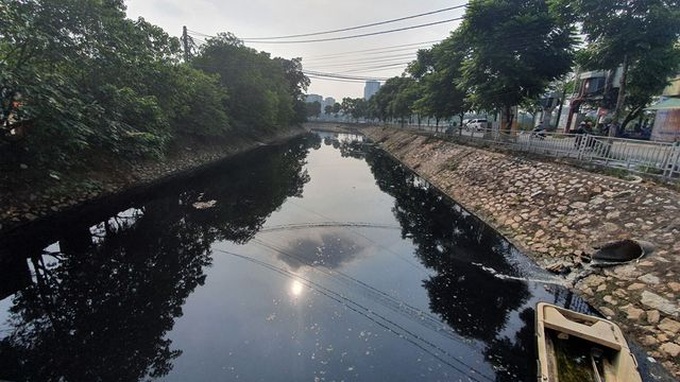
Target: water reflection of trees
100 307
248 190
514 357
457 246
349 145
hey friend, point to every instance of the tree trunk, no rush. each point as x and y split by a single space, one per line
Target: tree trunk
507 119
559 110
631 116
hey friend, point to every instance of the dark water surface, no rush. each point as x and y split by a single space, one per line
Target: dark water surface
319 260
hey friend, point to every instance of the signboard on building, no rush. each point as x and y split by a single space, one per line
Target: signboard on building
666 125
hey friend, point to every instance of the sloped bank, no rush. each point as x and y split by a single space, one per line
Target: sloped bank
29 201
556 214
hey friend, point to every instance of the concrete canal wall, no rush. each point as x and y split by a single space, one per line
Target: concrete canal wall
556 214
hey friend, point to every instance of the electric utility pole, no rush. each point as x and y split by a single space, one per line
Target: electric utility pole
620 99
185 43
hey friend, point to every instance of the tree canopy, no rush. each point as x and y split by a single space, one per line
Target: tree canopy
504 53
514 49
395 99
79 77
641 37
439 71
355 107
507 53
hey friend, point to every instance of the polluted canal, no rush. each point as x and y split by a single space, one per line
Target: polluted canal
321 259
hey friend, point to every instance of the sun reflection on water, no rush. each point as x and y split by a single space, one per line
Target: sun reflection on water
296 288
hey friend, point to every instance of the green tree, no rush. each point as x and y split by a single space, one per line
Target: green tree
336 109
514 49
439 71
347 105
313 109
298 83
646 79
396 99
356 107
641 37
266 93
360 109
402 106
82 71
78 79
380 100
198 104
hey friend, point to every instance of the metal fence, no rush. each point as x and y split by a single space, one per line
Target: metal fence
660 159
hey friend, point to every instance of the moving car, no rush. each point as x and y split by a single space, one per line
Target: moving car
477 124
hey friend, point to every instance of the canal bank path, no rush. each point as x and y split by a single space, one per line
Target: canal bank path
557 214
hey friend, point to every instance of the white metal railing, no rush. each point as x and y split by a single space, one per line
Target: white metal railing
660 159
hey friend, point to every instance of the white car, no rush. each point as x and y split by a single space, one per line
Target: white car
478 124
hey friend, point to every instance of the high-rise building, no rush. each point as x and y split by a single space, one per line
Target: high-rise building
372 87
329 101
311 98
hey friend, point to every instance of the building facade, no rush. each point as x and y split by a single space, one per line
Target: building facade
311 98
667 122
596 94
371 88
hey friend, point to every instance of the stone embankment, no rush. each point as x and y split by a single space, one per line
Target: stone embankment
556 214
25 203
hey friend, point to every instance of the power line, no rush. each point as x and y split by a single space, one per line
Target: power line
515 39
340 76
336 79
199 33
356 36
359 26
371 51
381 67
359 65
363 60
374 51
368 68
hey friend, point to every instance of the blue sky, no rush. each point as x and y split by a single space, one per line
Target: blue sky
377 56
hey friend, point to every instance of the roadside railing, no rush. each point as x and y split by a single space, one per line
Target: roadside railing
660 159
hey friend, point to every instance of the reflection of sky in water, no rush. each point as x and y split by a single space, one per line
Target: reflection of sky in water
340 190
291 323
328 250
5 327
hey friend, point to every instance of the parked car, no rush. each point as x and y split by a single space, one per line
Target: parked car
478 124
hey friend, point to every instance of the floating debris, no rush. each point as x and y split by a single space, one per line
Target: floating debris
204 205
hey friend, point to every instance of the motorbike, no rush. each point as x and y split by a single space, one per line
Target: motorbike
538 132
